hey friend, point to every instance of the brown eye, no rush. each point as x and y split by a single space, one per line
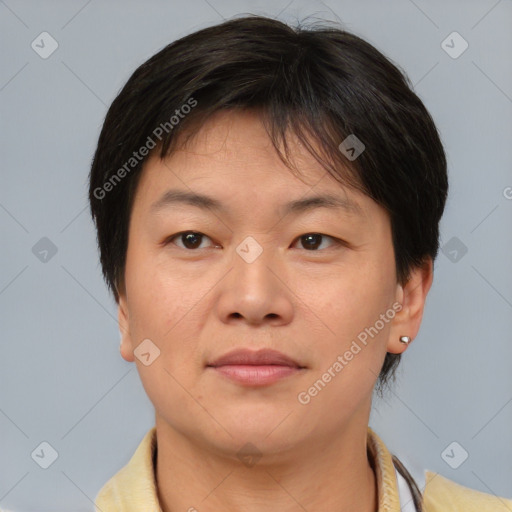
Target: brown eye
311 241
190 239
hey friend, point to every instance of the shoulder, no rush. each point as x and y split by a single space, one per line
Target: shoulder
442 495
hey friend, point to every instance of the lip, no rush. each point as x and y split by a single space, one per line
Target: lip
261 357
255 368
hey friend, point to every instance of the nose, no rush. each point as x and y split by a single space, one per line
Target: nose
256 292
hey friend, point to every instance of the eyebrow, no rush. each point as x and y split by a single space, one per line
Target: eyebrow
176 196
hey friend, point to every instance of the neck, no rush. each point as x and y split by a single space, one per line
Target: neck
322 476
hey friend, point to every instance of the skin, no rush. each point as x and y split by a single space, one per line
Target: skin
196 304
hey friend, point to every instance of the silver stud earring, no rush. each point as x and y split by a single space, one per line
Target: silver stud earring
405 339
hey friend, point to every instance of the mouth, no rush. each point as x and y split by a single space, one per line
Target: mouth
255 368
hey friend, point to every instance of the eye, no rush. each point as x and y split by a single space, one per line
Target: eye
190 239
311 241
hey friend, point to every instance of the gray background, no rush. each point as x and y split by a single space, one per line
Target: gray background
62 379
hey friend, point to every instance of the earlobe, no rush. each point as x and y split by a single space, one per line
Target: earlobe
412 296
125 347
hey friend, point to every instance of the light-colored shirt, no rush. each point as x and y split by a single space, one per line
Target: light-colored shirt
404 494
133 487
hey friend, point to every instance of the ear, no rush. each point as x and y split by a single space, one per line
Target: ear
412 297
124 326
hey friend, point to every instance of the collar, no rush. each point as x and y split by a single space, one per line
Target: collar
134 486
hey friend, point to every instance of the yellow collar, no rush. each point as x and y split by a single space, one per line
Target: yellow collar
387 486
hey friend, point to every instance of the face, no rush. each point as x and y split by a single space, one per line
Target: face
249 272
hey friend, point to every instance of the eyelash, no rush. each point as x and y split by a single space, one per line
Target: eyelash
169 240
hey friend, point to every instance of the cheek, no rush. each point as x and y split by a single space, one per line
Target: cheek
159 296
167 307
350 345
349 348
161 309
344 304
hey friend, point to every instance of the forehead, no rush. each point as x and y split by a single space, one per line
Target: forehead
238 140
232 159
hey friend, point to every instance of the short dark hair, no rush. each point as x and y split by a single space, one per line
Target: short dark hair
320 83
